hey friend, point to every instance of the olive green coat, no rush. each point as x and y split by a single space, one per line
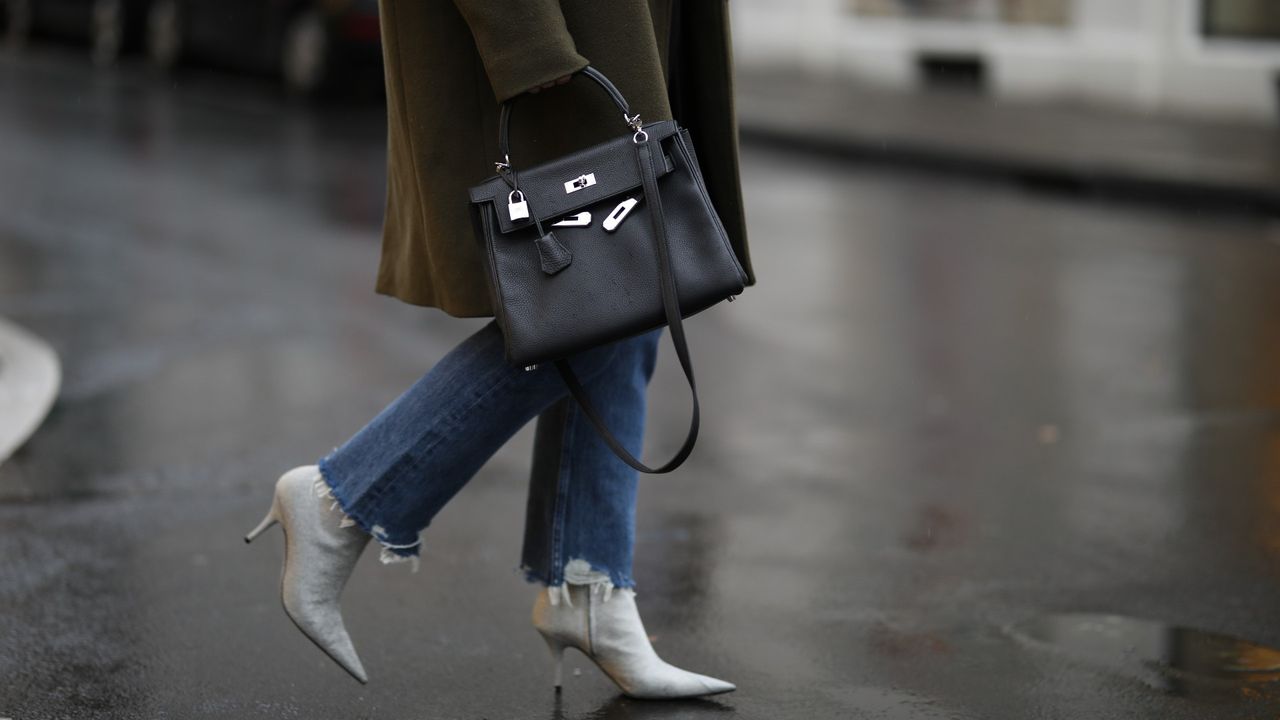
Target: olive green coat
449 64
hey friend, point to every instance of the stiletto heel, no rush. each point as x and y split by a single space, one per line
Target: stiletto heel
557 660
272 518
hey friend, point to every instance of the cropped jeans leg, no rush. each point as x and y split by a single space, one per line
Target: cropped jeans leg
580 521
393 476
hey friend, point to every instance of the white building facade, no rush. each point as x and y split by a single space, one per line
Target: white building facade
1199 57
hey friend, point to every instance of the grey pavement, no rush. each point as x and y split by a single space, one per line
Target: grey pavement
1066 145
954 430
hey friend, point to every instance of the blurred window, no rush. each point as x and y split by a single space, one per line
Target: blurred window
1015 12
1246 19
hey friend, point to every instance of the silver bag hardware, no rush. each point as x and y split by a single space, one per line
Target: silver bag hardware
582 219
519 209
619 214
580 182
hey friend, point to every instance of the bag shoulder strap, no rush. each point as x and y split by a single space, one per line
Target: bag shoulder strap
646 156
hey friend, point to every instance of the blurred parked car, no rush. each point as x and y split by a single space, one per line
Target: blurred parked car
109 26
311 44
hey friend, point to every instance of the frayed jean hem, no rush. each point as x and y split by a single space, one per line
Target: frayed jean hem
391 552
579 572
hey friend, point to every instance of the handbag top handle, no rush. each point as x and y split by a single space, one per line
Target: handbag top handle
504 118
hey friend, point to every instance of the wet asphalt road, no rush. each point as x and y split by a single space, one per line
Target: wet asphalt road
947 412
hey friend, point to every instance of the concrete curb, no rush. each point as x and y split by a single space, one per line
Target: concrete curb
1057 146
30 376
1061 178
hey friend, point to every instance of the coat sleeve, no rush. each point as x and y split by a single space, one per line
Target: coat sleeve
523 43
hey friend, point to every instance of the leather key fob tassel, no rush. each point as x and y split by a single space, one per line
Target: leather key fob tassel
553 256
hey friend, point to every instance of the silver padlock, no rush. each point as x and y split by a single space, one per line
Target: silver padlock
519 209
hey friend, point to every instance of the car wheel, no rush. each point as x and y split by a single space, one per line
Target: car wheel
106 31
305 53
16 15
164 33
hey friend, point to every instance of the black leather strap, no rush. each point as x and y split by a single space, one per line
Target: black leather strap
648 153
504 117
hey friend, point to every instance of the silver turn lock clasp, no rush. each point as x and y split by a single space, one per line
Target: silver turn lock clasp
580 182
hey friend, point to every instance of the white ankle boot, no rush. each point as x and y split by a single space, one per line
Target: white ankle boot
319 555
604 624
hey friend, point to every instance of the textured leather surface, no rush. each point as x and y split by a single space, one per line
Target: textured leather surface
543 185
553 256
668 258
648 160
612 288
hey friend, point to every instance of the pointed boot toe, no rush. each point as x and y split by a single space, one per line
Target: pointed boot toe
322 624
606 627
716 686
319 556
664 681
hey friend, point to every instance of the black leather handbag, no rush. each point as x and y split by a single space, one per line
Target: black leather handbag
601 245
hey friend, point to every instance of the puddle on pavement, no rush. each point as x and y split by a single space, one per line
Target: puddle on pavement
1176 660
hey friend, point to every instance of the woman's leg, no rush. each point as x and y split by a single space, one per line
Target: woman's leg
581 530
395 474
580 526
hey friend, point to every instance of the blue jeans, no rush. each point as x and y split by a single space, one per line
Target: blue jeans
396 473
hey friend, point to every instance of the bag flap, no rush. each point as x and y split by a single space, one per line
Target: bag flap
568 183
